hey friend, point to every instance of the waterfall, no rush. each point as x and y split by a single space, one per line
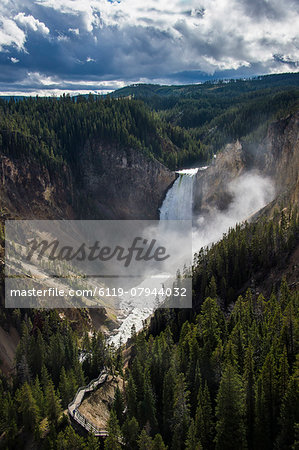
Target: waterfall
177 204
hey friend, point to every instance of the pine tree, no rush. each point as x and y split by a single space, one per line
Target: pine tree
36 353
289 413
145 442
194 356
167 401
268 402
158 443
79 374
249 385
38 395
112 442
181 415
118 406
130 431
204 425
209 323
212 288
69 439
230 354
192 442
93 442
290 332
28 408
283 375
147 409
53 408
230 412
131 395
64 388
8 417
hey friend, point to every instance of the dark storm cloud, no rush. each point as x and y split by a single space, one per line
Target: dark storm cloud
89 44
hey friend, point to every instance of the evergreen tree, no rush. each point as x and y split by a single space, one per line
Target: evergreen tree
130 431
289 414
168 400
8 417
158 443
68 439
28 408
118 406
204 425
249 385
230 412
112 442
64 388
268 402
192 442
145 442
38 395
147 409
181 415
93 442
53 408
131 396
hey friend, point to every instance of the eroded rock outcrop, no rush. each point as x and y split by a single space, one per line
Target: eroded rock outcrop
29 191
123 183
277 157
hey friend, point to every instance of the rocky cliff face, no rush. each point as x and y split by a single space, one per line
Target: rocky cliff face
29 191
277 157
210 187
123 183
113 184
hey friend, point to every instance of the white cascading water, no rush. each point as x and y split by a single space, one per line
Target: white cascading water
250 193
177 205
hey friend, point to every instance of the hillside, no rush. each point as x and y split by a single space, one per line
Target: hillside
188 367
237 349
237 87
218 113
53 131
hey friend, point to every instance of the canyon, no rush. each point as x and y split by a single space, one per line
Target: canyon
126 184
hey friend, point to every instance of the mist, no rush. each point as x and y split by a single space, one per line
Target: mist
250 192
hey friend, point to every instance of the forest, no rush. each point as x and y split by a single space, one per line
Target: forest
232 352
53 131
218 112
223 375
178 130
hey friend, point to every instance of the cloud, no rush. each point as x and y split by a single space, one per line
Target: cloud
14 60
10 35
31 22
187 41
75 31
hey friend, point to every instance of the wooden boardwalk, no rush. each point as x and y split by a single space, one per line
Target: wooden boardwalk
77 400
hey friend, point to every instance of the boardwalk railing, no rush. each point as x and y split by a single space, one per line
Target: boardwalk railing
77 400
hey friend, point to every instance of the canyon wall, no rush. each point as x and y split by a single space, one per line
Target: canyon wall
276 157
123 183
111 183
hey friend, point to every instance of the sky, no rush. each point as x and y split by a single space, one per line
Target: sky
52 46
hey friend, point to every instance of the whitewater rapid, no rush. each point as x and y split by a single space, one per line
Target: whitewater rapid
177 205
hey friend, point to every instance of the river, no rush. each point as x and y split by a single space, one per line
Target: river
177 205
